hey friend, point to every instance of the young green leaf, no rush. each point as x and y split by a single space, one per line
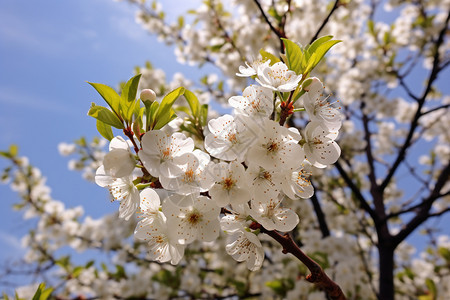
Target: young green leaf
165 113
13 150
130 89
313 47
105 130
294 56
194 104
42 293
164 119
266 55
109 95
105 115
168 100
204 114
323 49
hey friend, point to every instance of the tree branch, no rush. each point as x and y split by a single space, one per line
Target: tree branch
364 204
280 34
317 276
415 122
325 21
320 216
424 208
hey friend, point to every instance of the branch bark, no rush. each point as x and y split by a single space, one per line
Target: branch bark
325 21
317 276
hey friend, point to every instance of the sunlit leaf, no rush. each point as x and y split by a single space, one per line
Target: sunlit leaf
105 115
105 130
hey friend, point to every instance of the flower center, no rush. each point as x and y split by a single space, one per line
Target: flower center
189 175
159 239
194 217
272 147
228 183
232 137
166 153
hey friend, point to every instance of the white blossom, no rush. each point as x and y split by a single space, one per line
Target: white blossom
119 162
255 100
245 246
192 217
278 77
231 185
159 150
320 148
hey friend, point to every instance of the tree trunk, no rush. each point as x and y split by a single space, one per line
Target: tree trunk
386 271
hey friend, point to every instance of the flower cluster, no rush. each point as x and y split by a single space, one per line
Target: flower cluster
239 175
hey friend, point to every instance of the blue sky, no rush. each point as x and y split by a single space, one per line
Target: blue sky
48 50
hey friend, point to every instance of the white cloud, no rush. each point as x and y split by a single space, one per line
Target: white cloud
12 242
30 101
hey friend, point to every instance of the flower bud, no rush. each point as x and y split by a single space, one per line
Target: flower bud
148 95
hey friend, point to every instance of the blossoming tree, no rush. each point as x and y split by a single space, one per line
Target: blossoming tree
215 202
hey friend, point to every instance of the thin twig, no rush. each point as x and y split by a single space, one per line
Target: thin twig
325 21
317 275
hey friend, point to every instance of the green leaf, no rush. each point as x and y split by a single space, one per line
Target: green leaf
266 55
89 264
128 103
294 56
13 150
105 115
109 95
431 286
445 253
77 271
311 64
129 91
105 130
204 114
5 154
371 27
313 47
168 100
133 109
194 104
164 119
165 113
323 49
42 293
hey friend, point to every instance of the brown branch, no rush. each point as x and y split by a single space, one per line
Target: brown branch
415 122
320 216
424 208
325 21
364 204
436 109
374 188
278 33
317 276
